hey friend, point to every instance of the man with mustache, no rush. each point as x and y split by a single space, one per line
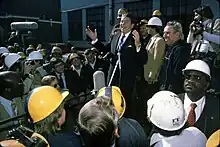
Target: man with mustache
201 108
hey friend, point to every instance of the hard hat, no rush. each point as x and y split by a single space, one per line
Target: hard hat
121 11
35 55
143 21
3 50
56 49
11 143
22 55
115 94
214 139
166 111
155 21
198 65
11 59
156 13
43 101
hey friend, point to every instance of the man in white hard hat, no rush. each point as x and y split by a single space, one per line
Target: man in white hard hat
166 113
176 58
202 108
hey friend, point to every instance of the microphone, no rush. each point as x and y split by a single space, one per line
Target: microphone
98 81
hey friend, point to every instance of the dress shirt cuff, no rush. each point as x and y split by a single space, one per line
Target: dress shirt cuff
94 41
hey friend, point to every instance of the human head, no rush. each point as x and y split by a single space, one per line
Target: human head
143 28
121 11
45 106
13 63
74 60
173 32
203 13
156 13
56 52
98 122
90 55
115 94
127 23
154 25
11 85
57 64
166 112
50 80
197 78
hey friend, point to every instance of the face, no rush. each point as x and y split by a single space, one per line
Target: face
170 35
59 67
57 54
76 62
197 16
150 30
91 57
195 82
126 25
144 30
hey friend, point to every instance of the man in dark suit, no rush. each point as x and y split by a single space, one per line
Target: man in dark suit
126 45
201 108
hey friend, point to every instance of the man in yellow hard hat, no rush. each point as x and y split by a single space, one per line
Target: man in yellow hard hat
130 131
156 13
45 106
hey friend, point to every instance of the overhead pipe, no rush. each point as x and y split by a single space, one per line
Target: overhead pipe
110 12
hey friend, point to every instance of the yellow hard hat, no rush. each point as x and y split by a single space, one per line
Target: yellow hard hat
214 139
43 101
117 98
156 13
122 11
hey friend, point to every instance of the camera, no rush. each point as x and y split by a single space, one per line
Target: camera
197 27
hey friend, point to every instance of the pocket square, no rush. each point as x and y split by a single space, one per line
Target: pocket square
130 46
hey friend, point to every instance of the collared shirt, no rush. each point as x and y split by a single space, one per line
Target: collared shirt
77 70
92 64
200 105
7 105
190 137
63 78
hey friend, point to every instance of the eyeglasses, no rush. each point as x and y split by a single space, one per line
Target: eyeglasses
193 77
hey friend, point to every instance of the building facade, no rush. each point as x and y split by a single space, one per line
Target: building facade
101 14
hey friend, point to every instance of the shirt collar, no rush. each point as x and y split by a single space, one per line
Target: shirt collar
76 69
126 35
187 101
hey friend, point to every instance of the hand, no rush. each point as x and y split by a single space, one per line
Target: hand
92 35
136 37
192 26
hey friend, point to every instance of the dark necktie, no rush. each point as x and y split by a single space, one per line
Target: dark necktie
192 115
121 41
61 81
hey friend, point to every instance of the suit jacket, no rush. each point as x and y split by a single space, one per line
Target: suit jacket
130 60
209 120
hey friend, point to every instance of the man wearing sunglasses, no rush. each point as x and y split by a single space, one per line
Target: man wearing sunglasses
202 109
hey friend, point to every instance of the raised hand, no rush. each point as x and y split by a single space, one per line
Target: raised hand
136 37
92 35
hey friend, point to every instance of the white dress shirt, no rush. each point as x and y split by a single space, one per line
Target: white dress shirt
63 78
190 137
200 105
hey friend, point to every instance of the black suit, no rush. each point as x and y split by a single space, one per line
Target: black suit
209 120
130 60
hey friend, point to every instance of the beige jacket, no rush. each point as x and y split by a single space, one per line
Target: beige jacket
155 49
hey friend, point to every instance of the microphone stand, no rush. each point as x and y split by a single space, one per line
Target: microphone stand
118 64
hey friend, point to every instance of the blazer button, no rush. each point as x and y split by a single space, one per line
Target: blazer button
212 117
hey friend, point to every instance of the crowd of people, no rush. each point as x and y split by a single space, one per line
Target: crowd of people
161 90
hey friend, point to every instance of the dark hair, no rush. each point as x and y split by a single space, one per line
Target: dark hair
205 11
132 18
157 28
55 60
167 133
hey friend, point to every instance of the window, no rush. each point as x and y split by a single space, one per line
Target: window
141 9
96 20
75 25
179 10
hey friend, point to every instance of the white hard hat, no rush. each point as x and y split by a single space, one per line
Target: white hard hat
11 59
198 65
3 50
166 111
155 21
35 55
